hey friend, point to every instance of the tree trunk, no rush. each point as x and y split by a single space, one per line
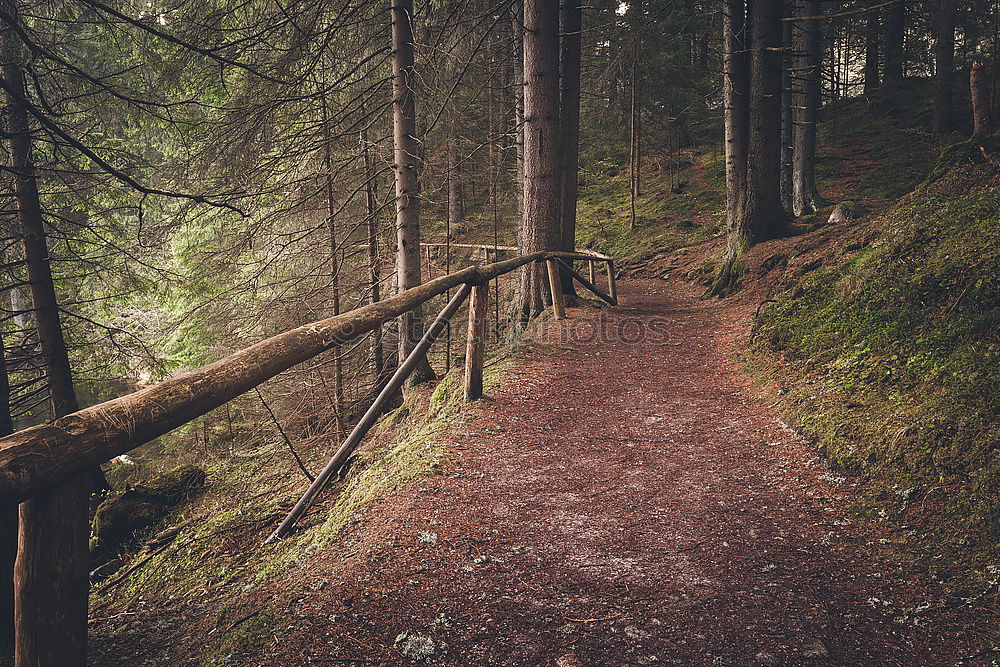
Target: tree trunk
787 149
50 576
517 61
736 81
634 19
872 35
945 65
405 164
331 222
456 195
764 213
542 191
979 86
374 262
895 29
571 23
8 532
806 44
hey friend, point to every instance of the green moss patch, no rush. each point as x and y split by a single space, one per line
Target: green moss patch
895 354
671 211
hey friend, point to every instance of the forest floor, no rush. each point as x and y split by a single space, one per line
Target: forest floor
626 497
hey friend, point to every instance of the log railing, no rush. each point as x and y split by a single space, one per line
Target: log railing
39 458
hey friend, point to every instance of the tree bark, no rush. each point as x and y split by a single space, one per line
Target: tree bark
8 532
752 96
944 75
736 80
542 191
806 45
406 166
872 38
979 86
765 215
374 266
50 575
517 62
456 194
331 222
787 147
571 25
895 30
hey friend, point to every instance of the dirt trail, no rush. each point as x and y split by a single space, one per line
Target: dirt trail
624 500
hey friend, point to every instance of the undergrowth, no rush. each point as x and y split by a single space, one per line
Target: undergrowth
672 211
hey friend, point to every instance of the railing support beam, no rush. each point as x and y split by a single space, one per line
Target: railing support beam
555 287
475 343
612 287
51 580
586 283
372 414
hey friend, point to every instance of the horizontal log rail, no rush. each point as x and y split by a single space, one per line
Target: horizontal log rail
40 457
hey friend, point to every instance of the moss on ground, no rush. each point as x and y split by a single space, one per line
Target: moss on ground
249 636
670 212
897 353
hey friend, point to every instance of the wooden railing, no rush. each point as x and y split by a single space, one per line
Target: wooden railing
39 458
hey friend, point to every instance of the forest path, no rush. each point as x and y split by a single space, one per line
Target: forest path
623 498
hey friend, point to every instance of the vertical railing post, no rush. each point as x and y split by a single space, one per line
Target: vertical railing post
612 287
593 271
555 286
475 343
51 583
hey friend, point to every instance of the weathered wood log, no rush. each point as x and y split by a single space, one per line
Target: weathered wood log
40 457
612 286
475 342
49 610
474 246
555 286
371 416
586 283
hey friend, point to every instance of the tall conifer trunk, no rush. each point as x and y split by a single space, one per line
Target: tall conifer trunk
542 183
736 80
873 26
787 148
895 30
571 19
50 576
752 97
979 85
406 167
806 45
944 58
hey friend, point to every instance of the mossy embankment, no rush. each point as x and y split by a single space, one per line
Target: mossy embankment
891 359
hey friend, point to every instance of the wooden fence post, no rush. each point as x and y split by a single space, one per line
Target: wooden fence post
475 343
593 271
612 287
51 583
555 286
